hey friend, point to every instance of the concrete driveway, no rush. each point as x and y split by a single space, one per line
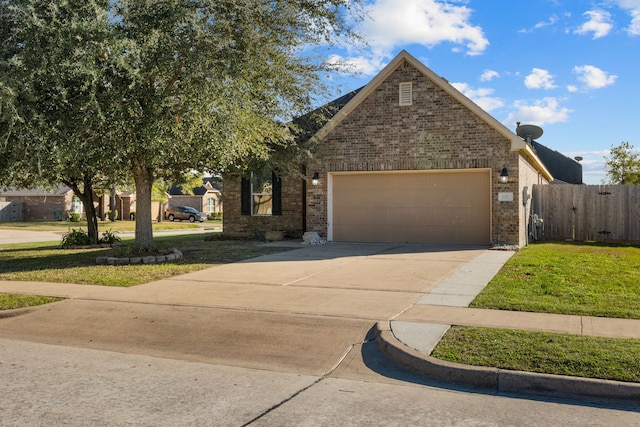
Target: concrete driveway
300 310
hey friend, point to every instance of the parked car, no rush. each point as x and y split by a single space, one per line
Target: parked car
185 212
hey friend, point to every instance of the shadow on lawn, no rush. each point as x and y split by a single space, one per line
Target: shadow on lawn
195 250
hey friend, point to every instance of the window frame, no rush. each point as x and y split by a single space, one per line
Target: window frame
247 193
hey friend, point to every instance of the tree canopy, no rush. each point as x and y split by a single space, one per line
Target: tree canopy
623 165
155 88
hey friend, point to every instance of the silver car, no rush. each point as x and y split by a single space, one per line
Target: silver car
185 212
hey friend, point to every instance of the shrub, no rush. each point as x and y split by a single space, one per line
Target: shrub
74 217
75 238
109 237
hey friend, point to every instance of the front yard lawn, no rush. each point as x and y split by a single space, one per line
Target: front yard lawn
568 278
44 262
586 279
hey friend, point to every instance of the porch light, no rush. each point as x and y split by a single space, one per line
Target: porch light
315 179
504 175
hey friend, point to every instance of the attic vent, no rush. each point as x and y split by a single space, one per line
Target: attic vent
405 94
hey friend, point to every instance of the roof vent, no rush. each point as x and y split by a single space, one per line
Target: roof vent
405 94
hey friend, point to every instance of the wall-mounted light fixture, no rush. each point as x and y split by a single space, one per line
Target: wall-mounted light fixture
315 179
504 175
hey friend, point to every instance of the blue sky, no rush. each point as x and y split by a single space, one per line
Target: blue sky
569 66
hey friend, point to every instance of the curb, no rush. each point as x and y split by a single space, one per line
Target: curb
501 380
5 314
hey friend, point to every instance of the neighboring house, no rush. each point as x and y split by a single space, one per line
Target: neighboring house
46 205
407 159
565 170
207 198
125 205
38 204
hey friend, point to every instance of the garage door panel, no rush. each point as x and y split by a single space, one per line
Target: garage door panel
441 207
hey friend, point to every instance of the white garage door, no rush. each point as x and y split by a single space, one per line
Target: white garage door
417 207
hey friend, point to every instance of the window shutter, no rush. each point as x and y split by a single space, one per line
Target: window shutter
276 182
406 94
245 197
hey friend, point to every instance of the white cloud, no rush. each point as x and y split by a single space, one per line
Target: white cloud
481 96
539 79
426 22
390 24
633 7
594 77
359 65
598 23
593 171
489 75
541 112
572 88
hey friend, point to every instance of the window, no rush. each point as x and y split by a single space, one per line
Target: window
406 94
261 194
76 205
211 205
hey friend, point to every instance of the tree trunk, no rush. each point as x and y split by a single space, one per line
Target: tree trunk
144 231
112 204
86 197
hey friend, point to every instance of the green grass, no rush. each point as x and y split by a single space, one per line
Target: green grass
119 226
568 278
11 301
560 354
47 262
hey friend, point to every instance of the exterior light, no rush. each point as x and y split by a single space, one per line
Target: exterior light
504 175
315 179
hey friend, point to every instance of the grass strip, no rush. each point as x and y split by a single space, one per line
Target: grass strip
12 301
568 278
560 354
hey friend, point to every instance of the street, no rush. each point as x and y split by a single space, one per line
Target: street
46 384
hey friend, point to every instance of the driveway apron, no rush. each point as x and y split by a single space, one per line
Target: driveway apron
300 310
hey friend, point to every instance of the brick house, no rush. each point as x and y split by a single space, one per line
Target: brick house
206 198
38 204
406 159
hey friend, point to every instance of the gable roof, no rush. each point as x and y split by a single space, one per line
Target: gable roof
357 97
208 184
310 123
60 190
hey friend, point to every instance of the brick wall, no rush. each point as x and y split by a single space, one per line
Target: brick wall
291 220
41 208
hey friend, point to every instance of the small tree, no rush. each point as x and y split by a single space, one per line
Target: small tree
623 165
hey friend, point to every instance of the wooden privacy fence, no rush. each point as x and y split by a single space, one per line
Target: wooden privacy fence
587 212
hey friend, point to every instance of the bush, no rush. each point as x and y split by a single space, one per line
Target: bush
74 217
109 237
75 238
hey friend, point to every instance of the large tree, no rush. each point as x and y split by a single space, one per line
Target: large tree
205 83
623 165
54 87
181 84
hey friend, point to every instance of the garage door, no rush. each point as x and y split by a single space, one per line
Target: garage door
425 207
